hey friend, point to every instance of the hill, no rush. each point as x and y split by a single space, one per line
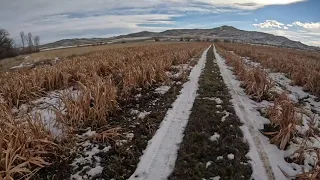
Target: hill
223 32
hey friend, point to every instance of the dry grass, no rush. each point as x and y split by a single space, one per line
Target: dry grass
5 64
24 145
284 116
302 67
97 99
101 79
254 79
127 67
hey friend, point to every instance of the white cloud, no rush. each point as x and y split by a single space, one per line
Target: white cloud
308 32
269 24
305 37
256 20
308 25
249 4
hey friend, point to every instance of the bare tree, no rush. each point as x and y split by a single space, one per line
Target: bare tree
22 38
6 44
29 41
36 42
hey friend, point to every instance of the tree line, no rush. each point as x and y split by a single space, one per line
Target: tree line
8 48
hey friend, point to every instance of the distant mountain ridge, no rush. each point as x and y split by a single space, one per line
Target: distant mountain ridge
223 32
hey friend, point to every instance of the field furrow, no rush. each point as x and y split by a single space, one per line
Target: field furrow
213 146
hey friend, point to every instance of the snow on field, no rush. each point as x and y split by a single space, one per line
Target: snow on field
89 133
22 65
208 164
45 109
227 114
296 93
261 151
87 165
143 114
217 100
219 158
215 178
162 89
260 148
177 71
230 156
215 137
309 107
59 47
159 158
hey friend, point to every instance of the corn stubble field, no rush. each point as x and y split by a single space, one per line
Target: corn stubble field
92 86
286 115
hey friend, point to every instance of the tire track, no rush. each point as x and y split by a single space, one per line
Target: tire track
159 158
244 115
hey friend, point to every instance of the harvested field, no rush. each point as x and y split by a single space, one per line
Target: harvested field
162 111
302 67
51 106
8 63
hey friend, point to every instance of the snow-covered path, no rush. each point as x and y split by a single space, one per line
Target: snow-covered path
159 158
265 162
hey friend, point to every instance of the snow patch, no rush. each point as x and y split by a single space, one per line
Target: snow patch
208 164
95 171
215 178
133 111
45 109
215 137
130 136
217 100
121 142
227 114
143 114
89 133
219 158
230 156
162 89
90 152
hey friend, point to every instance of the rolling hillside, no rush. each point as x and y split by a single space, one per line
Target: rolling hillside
223 32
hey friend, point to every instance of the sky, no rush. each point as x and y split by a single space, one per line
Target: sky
60 19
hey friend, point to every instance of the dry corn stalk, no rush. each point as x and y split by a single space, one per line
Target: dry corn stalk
301 66
282 115
24 145
101 79
254 79
128 67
